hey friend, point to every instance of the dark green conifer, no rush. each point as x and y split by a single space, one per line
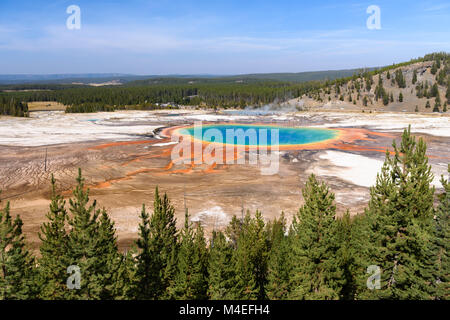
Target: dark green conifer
365 101
251 257
111 261
317 271
17 273
91 245
447 93
279 263
124 278
400 217
349 238
145 277
399 79
157 244
163 233
442 243
434 90
54 260
434 68
191 280
221 268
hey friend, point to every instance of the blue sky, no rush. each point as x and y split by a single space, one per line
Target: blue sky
216 37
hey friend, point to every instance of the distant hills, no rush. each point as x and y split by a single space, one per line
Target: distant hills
93 78
302 76
84 78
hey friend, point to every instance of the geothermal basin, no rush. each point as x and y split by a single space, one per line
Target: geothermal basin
258 134
124 155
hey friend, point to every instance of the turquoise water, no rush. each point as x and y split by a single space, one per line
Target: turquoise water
287 135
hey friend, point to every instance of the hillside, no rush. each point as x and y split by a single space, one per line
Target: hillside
422 85
300 76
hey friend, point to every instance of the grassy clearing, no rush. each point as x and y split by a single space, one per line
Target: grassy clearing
45 106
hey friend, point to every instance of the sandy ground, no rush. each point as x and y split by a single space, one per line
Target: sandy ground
123 158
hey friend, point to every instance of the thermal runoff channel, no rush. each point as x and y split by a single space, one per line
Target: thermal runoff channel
261 135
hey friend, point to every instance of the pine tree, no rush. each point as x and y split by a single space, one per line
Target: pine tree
440 78
17 273
349 239
164 240
434 90
414 79
279 263
53 262
145 277
317 272
385 98
191 280
400 97
220 268
91 245
250 258
365 101
442 242
447 93
354 234
110 260
437 103
438 99
400 215
399 79
434 68
234 229
124 277
158 245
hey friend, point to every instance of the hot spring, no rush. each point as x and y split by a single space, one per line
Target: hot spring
258 135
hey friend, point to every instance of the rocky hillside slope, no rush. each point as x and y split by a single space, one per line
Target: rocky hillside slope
421 85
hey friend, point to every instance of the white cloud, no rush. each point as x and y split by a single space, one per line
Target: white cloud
438 7
157 40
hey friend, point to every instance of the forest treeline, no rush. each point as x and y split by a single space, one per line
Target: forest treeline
148 97
12 106
398 247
